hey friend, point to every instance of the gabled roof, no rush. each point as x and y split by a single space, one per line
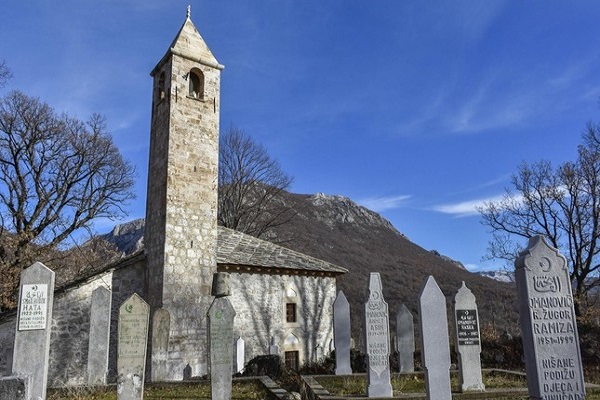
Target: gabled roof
188 43
239 249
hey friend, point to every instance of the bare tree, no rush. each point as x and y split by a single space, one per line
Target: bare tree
250 186
563 204
5 74
58 174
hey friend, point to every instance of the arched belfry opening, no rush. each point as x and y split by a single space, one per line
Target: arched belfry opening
196 84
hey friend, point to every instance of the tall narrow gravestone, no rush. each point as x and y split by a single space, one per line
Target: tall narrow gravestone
435 348
341 334
161 324
99 338
548 325
468 345
405 339
134 315
32 337
220 342
240 355
377 326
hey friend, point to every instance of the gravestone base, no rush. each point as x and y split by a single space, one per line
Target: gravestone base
14 387
380 386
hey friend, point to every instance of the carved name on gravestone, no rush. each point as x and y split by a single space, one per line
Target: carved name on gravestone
435 348
341 334
220 344
99 338
134 315
377 340
467 339
161 325
405 339
32 337
548 325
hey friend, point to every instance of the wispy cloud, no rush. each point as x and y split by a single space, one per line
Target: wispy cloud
465 208
382 203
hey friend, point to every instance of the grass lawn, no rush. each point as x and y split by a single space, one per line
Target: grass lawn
495 381
243 390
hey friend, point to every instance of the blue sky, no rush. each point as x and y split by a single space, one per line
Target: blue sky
417 110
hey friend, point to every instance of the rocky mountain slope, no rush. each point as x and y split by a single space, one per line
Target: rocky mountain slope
336 229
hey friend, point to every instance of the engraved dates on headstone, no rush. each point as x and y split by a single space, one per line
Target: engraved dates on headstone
547 316
467 327
33 304
377 340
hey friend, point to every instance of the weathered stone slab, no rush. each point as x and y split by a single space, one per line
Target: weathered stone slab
468 344
405 339
220 344
435 348
377 336
240 355
161 325
32 337
548 324
14 388
341 334
134 315
99 338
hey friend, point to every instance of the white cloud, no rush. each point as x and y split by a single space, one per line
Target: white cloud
383 203
465 208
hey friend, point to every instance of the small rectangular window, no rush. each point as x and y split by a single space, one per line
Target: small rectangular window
291 360
290 312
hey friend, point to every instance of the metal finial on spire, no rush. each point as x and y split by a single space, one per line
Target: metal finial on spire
189 11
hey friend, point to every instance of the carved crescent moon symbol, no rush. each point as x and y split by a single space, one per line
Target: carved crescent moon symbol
129 308
34 288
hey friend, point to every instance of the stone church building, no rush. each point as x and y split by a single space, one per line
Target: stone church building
281 297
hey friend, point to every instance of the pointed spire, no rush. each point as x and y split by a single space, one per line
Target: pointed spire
189 12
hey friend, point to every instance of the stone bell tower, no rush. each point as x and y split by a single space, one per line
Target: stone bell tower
181 208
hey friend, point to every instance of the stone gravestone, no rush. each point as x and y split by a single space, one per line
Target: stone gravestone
240 355
274 347
548 325
468 343
99 338
161 325
134 315
32 337
405 339
341 334
377 326
220 342
435 348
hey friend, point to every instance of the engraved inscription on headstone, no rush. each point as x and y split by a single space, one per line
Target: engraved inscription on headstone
435 348
548 325
467 327
377 340
341 334
220 344
32 337
467 339
32 310
134 315
405 339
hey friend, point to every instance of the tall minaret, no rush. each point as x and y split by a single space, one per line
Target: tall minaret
181 207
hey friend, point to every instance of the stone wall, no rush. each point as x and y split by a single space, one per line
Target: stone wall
259 302
71 325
